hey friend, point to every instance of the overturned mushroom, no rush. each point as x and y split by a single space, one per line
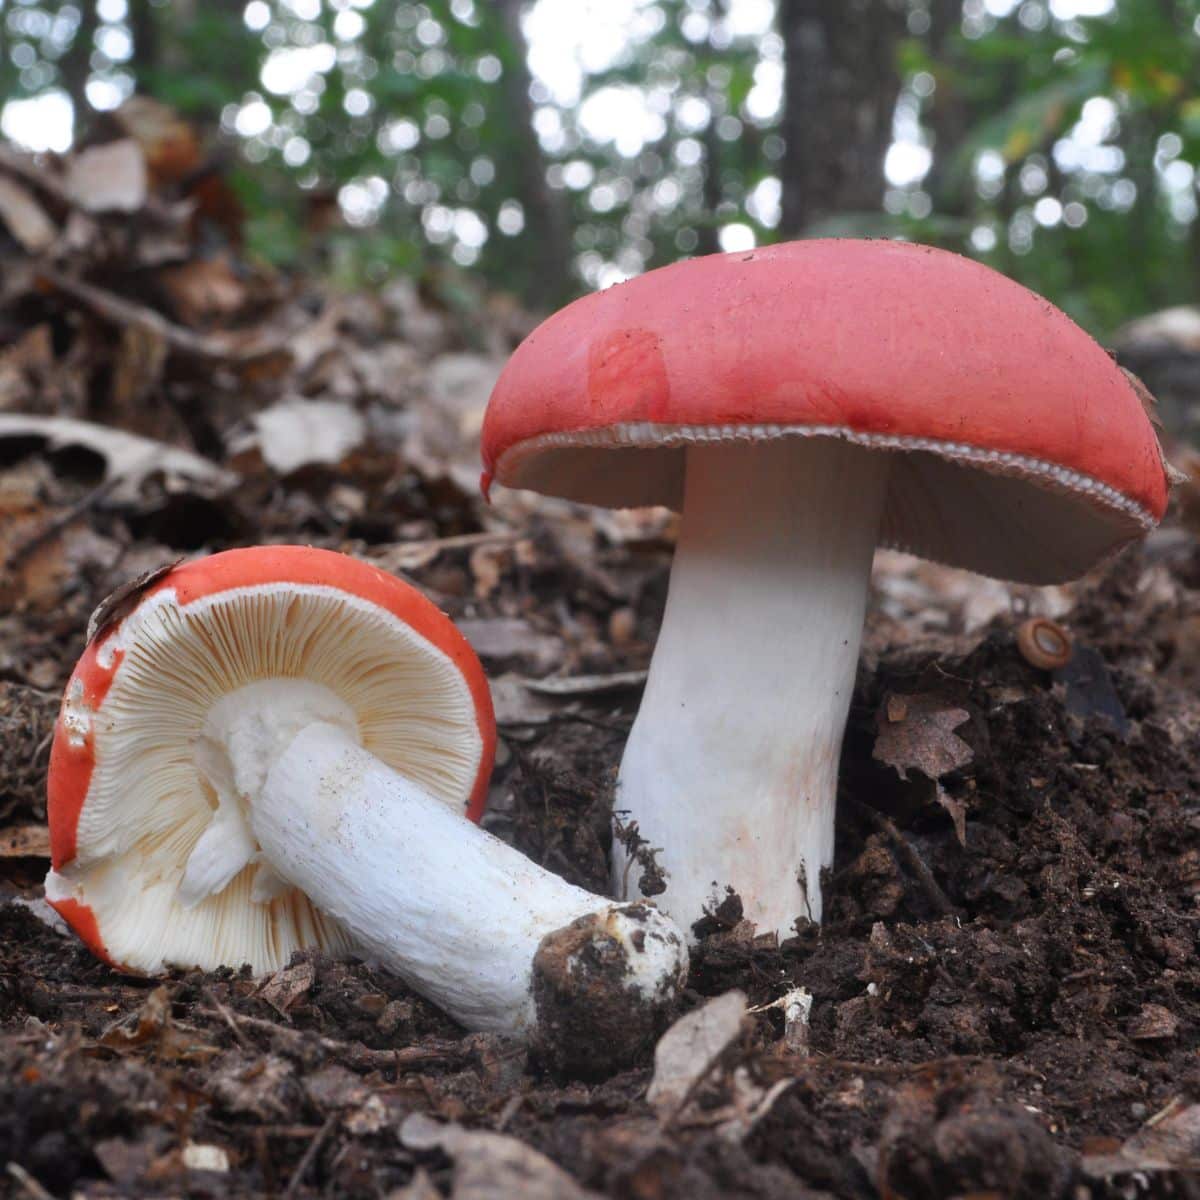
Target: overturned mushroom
275 749
799 405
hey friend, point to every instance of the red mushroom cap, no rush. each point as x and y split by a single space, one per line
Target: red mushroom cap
1024 450
83 720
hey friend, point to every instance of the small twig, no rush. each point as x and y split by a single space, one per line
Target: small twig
915 863
60 522
354 1053
227 1017
309 1154
29 1185
121 311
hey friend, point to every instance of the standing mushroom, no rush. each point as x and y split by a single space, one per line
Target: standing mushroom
275 749
801 404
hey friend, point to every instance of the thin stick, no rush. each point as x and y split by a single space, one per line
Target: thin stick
227 1017
29 1185
911 858
309 1154
60 522
355 1054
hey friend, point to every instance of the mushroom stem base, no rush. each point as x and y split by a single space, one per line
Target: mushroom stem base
730 771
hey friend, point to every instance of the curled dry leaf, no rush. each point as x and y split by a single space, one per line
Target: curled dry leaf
124 600
153 1027
128 458
917 732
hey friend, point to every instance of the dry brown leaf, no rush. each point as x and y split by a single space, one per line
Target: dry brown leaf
108 178
918 732
1153 1022
169 144
204 292
286 987
506 638
957 810
264 1088
123 600
487 568
587 685
25 841
25 218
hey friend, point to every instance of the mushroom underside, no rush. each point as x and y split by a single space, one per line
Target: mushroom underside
1005 515
163 859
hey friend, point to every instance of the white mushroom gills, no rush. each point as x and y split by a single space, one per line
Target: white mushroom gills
456 912
731 768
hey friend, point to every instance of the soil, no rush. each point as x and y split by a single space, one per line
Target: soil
988 1019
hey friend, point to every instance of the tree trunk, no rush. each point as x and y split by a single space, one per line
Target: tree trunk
76 65
546 234
841 89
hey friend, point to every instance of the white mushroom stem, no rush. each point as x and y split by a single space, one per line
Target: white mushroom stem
731 767
456 912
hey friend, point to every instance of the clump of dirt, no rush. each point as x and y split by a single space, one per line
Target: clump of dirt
594 1014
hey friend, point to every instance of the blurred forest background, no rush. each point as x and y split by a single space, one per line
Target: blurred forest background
550 146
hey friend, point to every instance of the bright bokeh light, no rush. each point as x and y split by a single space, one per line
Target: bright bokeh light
44 122
907 163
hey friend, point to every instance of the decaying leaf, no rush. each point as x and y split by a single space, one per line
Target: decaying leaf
690 1049
152 1027
264 1088
1169 1141
108 178
957 810
123 600
286 987
138 366
502 639
297 433
587 685
24 217
490 1166
918 732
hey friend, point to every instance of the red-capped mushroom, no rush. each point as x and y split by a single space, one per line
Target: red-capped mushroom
274 749
799 405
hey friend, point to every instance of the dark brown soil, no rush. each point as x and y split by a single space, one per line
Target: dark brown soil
988 1019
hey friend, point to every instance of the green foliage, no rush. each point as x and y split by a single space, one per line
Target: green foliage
1062 149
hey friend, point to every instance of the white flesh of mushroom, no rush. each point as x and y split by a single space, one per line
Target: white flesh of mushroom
731 767
452 909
